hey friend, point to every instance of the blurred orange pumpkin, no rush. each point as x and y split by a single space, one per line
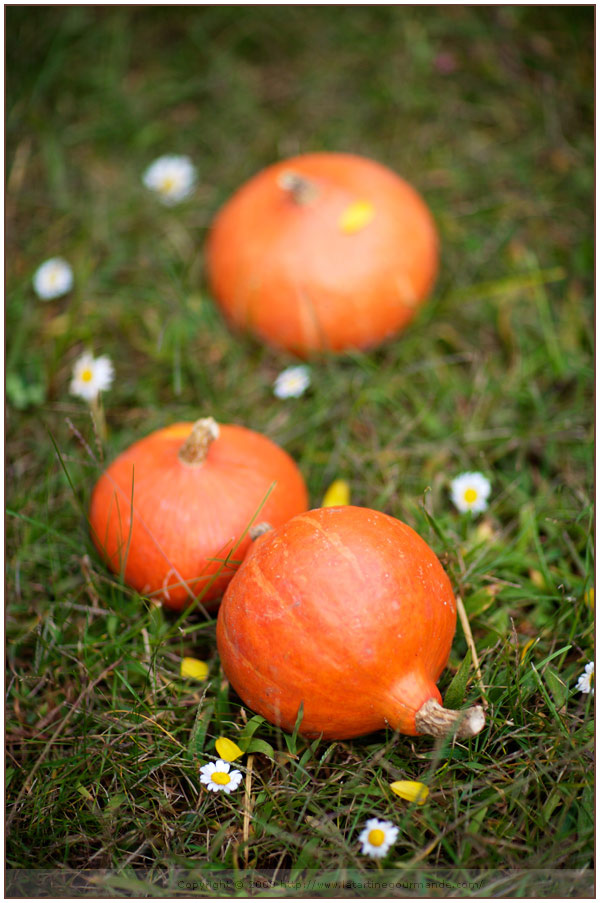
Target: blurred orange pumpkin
324 251
176 501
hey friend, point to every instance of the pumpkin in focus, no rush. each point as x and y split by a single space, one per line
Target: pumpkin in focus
193 489
347 614
324 251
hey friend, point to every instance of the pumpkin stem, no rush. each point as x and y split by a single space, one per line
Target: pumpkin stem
435 720
258 529
301 189
195 448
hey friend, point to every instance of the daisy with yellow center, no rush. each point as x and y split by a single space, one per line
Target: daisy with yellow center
377 837
172 177
53 279
91 376
292 382
470 492
218 776
585 684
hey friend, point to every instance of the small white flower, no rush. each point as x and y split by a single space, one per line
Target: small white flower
291 383
217 776
470 492
91 376
172 177
377 837
53 279
586 680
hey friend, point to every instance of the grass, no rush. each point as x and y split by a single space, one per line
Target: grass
496 374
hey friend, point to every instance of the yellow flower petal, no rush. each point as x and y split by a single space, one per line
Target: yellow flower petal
194 668
227 749
537 578
484 532
57 326
413 791
588 598
337 494
527 647
356 216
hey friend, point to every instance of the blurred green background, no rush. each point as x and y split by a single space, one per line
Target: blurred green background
488 112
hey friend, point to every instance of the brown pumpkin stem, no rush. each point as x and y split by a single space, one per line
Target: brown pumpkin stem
301 189
258 529
195 448
436 721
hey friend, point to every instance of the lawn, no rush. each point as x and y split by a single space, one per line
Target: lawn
488 112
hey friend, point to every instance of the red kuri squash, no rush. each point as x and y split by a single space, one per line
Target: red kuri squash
348 613
324 251
194 489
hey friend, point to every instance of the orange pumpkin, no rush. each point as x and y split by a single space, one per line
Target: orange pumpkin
324 251
348 613
195 489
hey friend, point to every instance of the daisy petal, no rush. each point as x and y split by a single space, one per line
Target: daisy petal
585 683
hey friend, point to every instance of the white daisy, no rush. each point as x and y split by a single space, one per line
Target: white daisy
586 680
172 177
377 837
91 376
217 776
470 492
291 383
53 279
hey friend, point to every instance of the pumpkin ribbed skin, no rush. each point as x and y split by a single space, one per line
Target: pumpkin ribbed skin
288 272
184 514
345 610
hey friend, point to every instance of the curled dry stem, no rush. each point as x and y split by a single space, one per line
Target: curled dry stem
436 721
195 448
302 190
258 529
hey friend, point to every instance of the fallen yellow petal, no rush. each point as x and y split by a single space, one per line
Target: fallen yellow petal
356 216
194 668
527 647
58 325
537 578
227 749
413 791
337 494
484 532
